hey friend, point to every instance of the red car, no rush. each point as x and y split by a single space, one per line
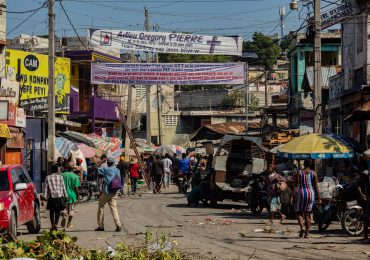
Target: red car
19 202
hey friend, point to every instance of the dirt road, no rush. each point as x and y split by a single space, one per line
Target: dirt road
227 232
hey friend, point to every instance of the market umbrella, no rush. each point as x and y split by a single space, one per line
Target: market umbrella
163 149
315 146
131 152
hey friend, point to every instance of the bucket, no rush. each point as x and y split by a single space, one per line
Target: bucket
141 182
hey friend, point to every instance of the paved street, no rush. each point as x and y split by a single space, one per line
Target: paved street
227 232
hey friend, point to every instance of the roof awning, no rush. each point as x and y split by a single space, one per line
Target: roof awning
217 131
4 131
309 80
360 114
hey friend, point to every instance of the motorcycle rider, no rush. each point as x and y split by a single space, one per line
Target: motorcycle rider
363 188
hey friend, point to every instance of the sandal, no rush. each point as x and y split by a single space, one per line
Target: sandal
301 233
283 217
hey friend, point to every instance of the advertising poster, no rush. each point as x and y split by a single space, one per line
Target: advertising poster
9 93
163 42
168 73
31 69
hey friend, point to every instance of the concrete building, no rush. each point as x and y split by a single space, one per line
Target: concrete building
2 36
349 89
301 55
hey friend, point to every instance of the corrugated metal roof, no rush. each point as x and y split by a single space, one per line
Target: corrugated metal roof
217 131
326 73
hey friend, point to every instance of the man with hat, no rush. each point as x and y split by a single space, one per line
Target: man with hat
364 201
107 195
134 174
123 166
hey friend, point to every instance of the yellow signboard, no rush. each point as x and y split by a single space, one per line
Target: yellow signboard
4 131
31 69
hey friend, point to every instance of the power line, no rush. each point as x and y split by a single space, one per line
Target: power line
26 19
70 22
27 11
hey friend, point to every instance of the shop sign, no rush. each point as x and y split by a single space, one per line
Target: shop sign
163 42
338 13
9 92
336 86
15 141
32 71
4 131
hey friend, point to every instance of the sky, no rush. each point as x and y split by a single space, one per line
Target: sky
208 17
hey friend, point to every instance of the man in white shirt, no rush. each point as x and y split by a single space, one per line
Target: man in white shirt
167 163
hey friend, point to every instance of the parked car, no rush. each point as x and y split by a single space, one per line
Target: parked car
19 201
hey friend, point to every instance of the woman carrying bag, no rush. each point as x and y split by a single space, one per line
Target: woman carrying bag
56 195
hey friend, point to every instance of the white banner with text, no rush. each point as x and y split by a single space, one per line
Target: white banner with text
168 73
162 42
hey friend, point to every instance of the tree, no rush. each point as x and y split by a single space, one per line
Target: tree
267 50
236 99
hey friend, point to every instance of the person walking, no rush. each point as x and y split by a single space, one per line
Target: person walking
56 195
72 183
157 172
78 169
60 163
123 167
272 180
305 187
185 166
363 188
134 174
167 164
111 175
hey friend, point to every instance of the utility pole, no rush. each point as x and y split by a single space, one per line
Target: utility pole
148 126
246 97
129 114
317 109
51 93
282 16
159 114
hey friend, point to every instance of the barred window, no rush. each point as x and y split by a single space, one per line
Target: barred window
171 120
140 91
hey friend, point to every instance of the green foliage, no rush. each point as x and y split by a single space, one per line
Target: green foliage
60 246
236 99
285 43
266 48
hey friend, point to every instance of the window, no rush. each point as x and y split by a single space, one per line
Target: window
171 120
140 91
4 106
18 176
4 185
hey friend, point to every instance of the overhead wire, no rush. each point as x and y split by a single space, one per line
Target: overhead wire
74 29
28 17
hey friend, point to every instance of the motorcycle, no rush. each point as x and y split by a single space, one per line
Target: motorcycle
88 190
341 207
183 183
257 198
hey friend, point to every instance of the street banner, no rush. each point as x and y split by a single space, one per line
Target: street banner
162 42
168 73
32 71
338 13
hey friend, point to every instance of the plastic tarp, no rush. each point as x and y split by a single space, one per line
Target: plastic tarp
65 146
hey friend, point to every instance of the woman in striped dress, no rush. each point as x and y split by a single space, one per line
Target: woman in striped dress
304 190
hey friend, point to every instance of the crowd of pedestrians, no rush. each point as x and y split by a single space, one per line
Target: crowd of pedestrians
64 181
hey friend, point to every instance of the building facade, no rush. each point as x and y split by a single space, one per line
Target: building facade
301 55
349 89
